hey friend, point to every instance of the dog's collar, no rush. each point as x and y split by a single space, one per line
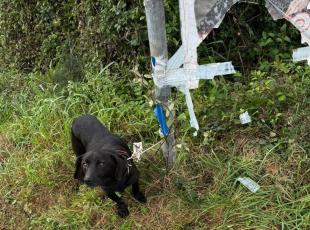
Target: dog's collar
124 154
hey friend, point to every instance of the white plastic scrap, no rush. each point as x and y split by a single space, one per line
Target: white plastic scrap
137 150
302 22
41 87
302 54
297 13
249 184
245 118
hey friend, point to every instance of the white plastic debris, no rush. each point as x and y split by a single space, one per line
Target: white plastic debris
296 12
41 87
245 118
137 150
302 54
249 184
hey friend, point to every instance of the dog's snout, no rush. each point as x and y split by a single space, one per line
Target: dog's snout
88 181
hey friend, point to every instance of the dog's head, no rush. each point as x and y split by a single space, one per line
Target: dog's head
100 168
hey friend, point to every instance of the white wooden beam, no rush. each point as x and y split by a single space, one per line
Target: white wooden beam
155 17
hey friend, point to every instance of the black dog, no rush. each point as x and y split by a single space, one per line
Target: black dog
104 160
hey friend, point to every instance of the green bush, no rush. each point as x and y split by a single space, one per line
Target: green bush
37 34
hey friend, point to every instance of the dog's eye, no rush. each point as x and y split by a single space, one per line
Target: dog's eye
101 163
85 165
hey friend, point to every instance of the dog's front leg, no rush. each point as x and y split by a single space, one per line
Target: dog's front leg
122 209
137 194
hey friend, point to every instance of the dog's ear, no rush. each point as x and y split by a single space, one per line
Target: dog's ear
79 173
120 167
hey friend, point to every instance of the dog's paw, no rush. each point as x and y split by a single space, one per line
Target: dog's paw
139 196
122 210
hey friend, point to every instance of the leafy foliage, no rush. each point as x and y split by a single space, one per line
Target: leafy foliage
36 34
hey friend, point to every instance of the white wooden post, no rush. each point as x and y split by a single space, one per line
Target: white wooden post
155 17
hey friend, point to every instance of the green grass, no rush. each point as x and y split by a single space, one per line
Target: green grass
37 190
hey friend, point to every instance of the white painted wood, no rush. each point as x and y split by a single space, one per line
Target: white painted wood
155 17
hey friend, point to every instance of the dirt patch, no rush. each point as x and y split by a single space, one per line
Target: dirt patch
272 169
12 216
164 213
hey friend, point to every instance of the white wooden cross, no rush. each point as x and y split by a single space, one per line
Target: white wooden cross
187 77
182 69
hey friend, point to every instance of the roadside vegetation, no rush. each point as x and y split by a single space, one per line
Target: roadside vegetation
62 78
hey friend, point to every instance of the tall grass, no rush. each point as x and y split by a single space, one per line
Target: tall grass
36 163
